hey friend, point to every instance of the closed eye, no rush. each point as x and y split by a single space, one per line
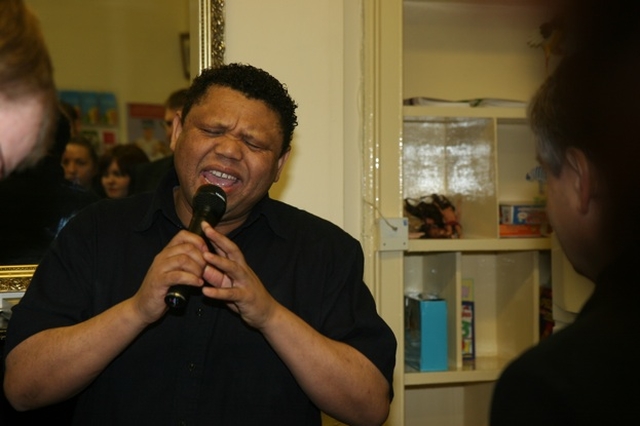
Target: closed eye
214 132
252 144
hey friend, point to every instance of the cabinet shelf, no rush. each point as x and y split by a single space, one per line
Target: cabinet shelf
464 111
476 156
486 369
479 245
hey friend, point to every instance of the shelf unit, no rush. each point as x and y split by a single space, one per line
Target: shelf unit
454 50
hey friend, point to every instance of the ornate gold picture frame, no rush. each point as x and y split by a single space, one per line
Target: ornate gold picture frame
15 278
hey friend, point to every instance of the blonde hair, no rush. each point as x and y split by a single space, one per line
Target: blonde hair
25 64
26 69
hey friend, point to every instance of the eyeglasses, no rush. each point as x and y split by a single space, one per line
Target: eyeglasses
537 174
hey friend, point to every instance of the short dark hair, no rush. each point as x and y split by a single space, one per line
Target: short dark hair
176 99
596 77
90 147
590 103
254 83
128 156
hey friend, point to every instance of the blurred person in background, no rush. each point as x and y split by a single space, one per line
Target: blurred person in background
172 107
116 166
147 176
80 163
74 117
28 107
153 147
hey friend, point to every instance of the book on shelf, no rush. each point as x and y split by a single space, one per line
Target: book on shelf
468 323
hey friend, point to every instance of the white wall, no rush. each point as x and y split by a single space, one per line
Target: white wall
313 47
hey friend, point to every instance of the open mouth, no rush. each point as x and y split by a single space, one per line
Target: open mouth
219 178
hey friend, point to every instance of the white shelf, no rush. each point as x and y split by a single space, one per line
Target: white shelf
479 245
476 156
486 369
462 111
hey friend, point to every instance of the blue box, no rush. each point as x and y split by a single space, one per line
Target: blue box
426 342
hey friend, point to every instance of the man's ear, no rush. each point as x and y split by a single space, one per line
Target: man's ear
176 129
584 180
281 161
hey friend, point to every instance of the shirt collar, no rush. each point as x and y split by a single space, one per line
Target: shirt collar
266 209
163 204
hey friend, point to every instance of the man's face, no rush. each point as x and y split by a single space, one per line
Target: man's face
554 190
78 165
26 132
563 214
230 141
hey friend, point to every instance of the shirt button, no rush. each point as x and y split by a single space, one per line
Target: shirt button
199 312
192 366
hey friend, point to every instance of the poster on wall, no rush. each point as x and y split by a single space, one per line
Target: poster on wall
97 115
145 128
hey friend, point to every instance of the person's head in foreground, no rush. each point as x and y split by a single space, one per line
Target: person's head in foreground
28 104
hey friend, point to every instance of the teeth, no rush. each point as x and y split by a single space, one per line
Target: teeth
222 175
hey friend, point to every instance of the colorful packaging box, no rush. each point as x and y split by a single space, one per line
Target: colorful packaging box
522 214
468 323
426 334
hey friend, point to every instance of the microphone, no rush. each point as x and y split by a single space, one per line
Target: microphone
209 204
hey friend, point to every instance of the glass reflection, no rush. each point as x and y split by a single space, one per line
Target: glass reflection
452 156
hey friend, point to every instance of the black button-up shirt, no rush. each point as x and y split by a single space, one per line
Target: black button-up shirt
203 366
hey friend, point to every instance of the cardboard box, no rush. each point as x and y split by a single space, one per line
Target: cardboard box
522 214
426 334
523 231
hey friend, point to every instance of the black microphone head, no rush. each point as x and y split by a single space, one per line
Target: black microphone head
210 201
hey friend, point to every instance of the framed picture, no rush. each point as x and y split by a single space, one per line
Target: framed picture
15 278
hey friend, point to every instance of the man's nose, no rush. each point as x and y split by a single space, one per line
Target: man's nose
229 146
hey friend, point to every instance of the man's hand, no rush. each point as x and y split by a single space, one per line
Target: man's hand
180 262
337 378
234 282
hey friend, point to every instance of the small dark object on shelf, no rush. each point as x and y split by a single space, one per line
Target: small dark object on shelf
437 215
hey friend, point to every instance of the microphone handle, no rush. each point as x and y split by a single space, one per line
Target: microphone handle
178 294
